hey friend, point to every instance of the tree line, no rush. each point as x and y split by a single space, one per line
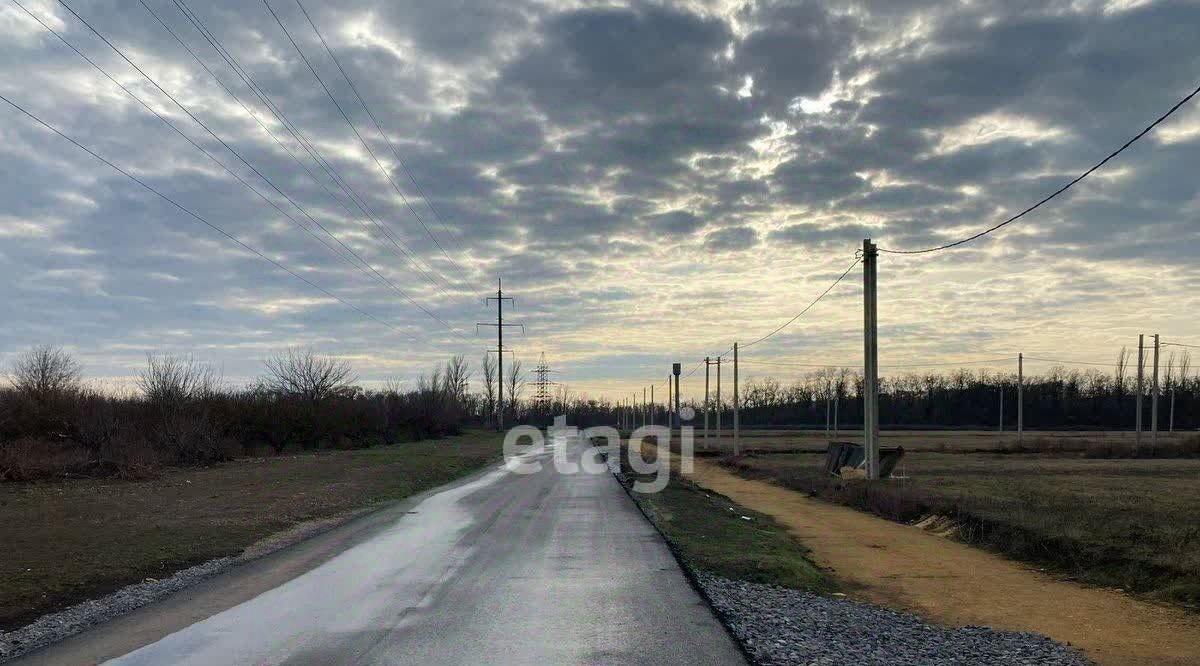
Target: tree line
53 424
1060 398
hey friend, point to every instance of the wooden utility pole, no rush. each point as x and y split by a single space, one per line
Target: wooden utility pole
870 361
500 326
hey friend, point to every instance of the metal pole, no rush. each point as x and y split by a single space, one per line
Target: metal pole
643 410
500 325
1001 409
870 362
1154 399
736 407
1137 438
707 406
1020 398
653 418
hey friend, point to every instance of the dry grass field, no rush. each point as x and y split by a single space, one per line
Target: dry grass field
66 541
935 440
1132 524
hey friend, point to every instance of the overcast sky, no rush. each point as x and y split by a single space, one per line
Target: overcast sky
653 181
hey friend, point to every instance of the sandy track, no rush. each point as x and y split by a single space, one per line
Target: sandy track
954 584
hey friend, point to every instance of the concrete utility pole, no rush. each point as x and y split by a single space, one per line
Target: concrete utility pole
737 442
719 405
1171 418
670 407
1137 438
1154 399
707 406
675 368
870 361
836 400
500 326
1020 398
1001 410
828 402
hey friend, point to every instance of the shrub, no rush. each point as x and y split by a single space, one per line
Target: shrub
29 459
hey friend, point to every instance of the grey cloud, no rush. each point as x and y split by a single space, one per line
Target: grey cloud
731 239
674 223
794 51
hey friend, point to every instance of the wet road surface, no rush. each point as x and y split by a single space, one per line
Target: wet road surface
545 568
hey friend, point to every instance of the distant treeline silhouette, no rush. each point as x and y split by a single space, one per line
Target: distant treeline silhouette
1058 399
53 425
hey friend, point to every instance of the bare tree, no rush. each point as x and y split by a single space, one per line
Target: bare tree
44 373
1122 367
301 372
170 380
489 384
458 378
515 383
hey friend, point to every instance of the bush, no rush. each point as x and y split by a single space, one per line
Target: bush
29 459
52 427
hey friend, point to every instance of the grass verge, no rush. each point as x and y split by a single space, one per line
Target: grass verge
68 541
1129 524
711 533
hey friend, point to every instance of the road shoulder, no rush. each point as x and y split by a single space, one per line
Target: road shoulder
901 566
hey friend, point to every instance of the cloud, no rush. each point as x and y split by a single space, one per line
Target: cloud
731 239
612 165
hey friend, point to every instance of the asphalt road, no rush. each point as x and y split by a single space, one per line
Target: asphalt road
546 568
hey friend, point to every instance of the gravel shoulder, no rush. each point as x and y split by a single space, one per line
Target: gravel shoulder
783 610
953 584
785 627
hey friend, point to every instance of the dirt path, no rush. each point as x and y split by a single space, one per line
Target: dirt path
951 583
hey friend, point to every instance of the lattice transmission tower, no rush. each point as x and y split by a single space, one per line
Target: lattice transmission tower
542 384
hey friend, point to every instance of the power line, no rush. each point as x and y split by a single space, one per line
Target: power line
358 200
380 277
395 153
402 252
354 129
1060 190
1070 362
1179 344
806 309
198 217
888 365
